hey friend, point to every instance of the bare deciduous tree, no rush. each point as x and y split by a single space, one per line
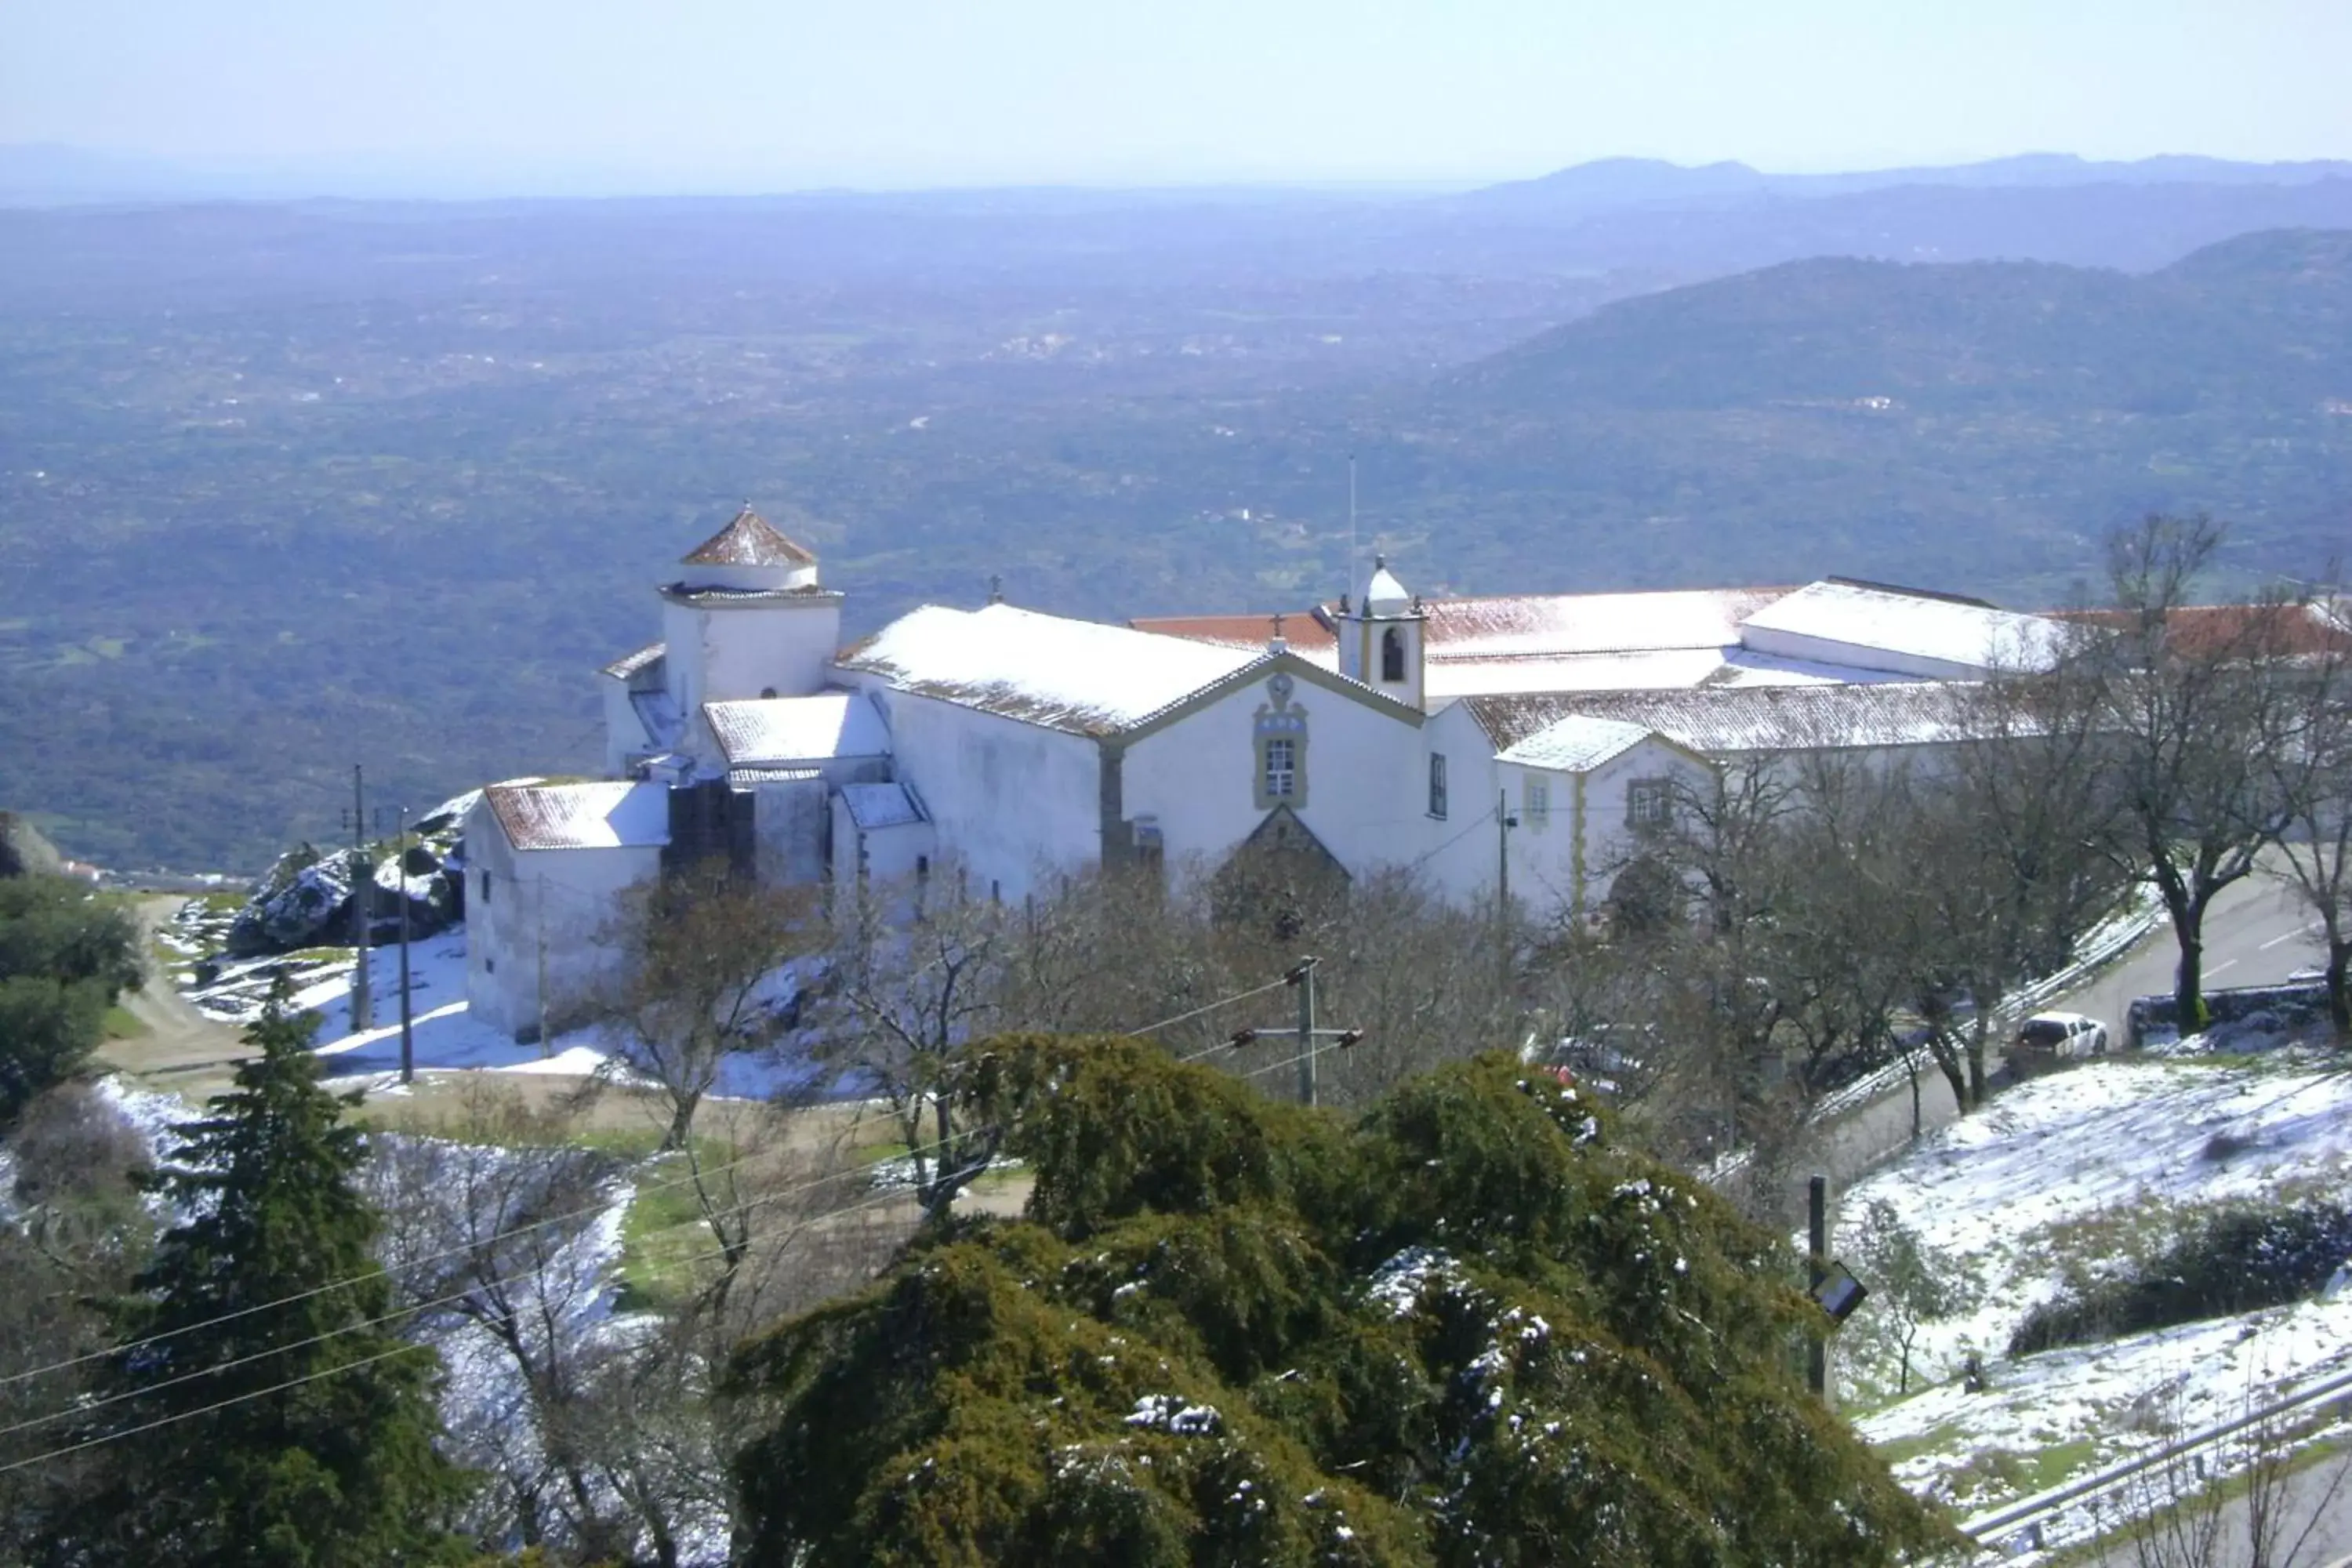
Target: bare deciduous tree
914 975
606 1439
2245 1501
700 979
2188 704
2015 845
2311 764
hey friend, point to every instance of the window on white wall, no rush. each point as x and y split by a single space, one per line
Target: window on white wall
1437 784
1535 801
1281 768
1649 803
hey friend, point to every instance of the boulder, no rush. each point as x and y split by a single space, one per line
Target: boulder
305 901
435 892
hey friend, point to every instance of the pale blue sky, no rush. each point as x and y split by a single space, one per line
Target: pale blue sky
738 94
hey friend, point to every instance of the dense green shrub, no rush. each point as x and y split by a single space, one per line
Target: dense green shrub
65 956
2214 1262
1464 1328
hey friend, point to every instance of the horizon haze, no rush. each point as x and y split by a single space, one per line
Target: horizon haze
521 97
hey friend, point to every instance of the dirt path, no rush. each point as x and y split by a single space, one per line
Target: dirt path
181 1052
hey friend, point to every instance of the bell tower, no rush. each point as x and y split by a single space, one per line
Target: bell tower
1381 641
747 617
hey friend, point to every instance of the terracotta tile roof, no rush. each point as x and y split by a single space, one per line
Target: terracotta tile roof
603 816
749 541
2278 631
1300 629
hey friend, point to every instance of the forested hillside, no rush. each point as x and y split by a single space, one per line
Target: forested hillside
288 488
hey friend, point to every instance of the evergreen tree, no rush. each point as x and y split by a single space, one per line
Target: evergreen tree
1464 1329
308 1452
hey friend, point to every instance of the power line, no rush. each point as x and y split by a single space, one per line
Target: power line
417 1308
549 1220
219 1405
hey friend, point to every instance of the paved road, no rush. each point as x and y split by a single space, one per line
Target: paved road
2256 934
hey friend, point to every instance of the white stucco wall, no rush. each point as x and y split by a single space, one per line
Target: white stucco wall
887 855
1013 801
622 732
1459 853
1360 639
1364 794
1547 874
1828 650
571 893
721 653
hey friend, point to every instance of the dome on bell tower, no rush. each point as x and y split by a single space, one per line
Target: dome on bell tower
1384 595
748 553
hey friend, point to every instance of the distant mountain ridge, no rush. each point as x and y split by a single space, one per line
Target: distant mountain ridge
2263 320
1614 182
47 174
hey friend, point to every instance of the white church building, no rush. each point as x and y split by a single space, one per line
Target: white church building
1469 739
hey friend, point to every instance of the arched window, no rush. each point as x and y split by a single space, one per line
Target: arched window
1393 655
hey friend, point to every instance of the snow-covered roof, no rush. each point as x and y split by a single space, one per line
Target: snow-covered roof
602 816
1522 625
775 731
1651 669
1079 676
749 541
873 805
1577 744
628 664
1730 721
1862 618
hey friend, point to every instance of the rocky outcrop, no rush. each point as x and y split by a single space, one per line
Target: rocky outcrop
305 901
24 852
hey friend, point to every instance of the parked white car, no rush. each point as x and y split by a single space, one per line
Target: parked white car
2049 1037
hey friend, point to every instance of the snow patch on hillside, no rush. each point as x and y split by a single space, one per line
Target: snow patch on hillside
2056 1169
443 1031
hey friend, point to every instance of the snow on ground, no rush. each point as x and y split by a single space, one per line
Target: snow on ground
443 1033
2061 1169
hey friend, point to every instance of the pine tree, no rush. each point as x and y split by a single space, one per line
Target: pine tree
317 1452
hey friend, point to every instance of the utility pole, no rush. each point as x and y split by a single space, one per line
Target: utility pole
1302 979
1817 1220
1504 823
539 922
1306 983
362 890
407 1041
